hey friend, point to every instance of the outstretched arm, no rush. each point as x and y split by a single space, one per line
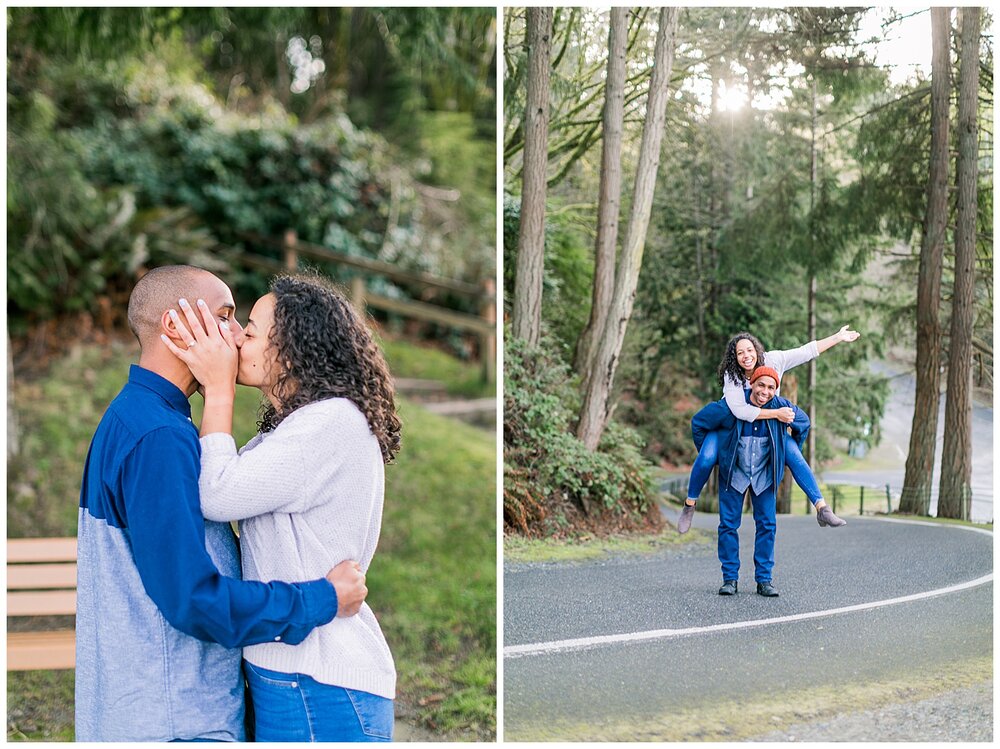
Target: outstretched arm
789 358
844 335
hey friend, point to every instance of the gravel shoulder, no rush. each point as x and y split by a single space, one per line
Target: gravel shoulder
959 715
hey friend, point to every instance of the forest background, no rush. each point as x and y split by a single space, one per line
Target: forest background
145 136
791 158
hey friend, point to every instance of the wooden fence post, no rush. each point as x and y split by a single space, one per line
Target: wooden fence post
358 294
488 341
291 253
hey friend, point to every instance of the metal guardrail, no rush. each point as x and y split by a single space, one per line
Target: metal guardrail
869 498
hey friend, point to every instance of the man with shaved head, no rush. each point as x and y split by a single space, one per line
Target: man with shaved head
161 610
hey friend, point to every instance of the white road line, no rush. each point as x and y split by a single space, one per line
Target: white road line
584 643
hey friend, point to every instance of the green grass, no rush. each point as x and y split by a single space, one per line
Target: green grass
588 548
432 582
461 378
40 705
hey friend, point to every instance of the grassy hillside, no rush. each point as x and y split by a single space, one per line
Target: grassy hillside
432 582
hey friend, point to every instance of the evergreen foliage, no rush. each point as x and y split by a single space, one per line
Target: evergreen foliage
144 136
553 485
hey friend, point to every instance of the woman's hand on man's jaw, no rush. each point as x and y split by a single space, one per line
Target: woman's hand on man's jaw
210 353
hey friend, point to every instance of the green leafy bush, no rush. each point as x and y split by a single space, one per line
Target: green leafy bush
331 182
138 149
552 483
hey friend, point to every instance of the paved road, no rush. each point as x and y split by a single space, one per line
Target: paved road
634 689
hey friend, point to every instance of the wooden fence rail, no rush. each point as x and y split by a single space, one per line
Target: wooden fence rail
483 325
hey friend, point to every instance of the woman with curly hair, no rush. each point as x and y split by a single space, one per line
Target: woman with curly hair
307 492
743 354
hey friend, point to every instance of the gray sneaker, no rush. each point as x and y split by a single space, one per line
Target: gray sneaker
684 521
826 517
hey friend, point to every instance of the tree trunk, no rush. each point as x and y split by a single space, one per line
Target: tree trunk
955 494
699 285
595 411
609 195
13 432
284 82
783 500
527 312
916 494
810 455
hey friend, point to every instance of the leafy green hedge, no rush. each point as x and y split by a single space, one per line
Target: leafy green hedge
552 483
154 170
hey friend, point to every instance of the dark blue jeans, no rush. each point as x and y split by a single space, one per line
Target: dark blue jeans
296 707
708 456
730 516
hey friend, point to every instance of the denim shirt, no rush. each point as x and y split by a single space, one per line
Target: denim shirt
161 611
753 458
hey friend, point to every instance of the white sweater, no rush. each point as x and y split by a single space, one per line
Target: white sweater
308 495
780 361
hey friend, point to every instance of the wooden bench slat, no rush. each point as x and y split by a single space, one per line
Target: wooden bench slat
41 581
41 550
28 651
21 577
44 603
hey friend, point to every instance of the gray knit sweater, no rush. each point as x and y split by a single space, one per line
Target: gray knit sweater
308 495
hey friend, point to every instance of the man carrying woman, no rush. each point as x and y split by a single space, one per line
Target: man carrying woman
744 432
743 354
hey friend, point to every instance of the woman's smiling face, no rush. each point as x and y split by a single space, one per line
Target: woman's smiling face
746 355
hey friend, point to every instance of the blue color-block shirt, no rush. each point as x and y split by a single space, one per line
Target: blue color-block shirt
161 611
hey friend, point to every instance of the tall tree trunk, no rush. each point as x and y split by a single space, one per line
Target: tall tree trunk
713 259
609 194
699 285
595 411
284 83
13 432
783 499
916 494
955 494
811 315
527 313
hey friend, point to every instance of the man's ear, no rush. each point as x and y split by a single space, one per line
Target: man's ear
172 331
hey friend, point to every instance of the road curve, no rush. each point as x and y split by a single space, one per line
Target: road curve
620 643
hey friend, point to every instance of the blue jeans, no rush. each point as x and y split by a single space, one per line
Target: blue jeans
296 707
730 516
708 456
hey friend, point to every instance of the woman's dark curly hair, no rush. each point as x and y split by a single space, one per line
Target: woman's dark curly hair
730 366
323 349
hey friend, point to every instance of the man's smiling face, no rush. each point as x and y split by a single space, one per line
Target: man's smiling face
762 390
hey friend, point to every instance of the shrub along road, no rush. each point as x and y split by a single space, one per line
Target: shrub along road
730 679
